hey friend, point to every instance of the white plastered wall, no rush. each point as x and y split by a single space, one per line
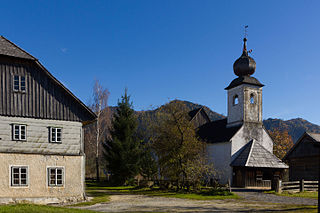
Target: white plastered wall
219 154
37 176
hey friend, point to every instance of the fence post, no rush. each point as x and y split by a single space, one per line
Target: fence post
302 185
278 186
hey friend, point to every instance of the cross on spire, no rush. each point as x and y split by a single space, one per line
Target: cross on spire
246 31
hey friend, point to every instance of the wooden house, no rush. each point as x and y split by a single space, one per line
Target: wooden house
239 146
41 132
303 158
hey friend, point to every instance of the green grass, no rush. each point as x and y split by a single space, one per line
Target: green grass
297 194
103 186
25 208
97 197
205 194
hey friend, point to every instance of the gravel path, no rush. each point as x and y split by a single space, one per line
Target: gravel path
257 195
143 203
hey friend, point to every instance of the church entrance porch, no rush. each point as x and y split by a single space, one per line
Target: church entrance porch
261 178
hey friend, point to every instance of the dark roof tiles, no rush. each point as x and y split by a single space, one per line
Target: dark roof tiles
217 131
244 80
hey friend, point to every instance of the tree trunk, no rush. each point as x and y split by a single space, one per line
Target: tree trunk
97 168
97 154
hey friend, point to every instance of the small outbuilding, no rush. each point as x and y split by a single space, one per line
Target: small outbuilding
303 158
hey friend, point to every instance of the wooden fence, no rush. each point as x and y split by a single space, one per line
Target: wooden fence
296 186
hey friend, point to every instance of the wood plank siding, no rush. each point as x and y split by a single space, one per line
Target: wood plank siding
303 158
44 97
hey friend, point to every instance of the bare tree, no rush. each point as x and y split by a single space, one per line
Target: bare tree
98 132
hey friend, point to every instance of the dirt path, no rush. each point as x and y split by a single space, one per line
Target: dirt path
143 203
258 195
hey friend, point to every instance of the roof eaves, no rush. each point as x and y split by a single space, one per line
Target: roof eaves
250 151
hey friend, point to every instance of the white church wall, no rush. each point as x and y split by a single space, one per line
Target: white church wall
237 142
219 155
267 141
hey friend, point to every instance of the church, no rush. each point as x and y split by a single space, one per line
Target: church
239 146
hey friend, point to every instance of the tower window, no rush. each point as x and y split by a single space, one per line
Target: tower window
252 99
235 100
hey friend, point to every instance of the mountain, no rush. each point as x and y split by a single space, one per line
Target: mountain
296 127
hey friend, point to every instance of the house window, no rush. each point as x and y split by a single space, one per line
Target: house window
19 176
252 99
19 132
235 100
55 176
19 83
55 134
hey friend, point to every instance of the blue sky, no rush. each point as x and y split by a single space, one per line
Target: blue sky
171 49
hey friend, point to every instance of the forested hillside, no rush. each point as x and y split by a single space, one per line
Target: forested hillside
296 127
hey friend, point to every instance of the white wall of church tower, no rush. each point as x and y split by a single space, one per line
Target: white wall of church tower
248 107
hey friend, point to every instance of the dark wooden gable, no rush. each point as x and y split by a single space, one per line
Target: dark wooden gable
304 147
199 117
45 97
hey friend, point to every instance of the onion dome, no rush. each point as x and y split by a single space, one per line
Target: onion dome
245 65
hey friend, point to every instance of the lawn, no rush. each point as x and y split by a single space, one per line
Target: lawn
25 208
297 194
206 194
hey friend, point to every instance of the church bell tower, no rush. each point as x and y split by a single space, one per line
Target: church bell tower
244 92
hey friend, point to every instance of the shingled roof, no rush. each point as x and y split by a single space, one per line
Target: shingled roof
315 136
217 131
255 155
244 80
10 49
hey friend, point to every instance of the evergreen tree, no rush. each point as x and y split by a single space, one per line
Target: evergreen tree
122 152
148 164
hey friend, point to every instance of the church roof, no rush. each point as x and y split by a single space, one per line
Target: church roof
244 80
255 155
217 131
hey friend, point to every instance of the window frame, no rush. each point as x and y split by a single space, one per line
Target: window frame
54 130
20 138
56 168
20 81
11 168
